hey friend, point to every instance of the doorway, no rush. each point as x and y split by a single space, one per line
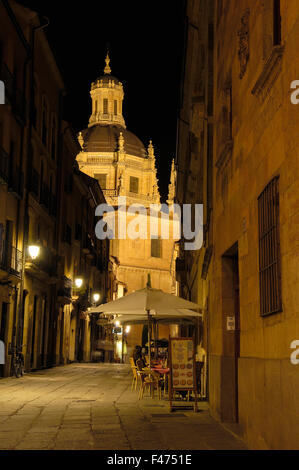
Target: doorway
231 336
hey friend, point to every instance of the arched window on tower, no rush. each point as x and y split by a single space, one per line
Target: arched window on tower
115 108
105 106
276 23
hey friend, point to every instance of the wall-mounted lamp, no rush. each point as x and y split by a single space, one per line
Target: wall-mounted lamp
96 297
128 329
117 324
34 251
78 282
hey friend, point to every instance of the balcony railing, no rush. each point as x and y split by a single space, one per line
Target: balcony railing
65 289
11 260
46 262
110 192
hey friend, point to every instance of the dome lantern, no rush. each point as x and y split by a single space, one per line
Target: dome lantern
107 97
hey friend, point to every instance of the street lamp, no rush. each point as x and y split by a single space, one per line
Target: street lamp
128 329
78 282
34 251
96 297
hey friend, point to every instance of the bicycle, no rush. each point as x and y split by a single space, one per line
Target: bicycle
17 361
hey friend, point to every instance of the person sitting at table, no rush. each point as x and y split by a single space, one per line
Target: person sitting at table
137 355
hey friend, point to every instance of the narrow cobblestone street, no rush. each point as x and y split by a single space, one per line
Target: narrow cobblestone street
91 406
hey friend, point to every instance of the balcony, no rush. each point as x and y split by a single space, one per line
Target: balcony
44 267
11 260
64 294
110 192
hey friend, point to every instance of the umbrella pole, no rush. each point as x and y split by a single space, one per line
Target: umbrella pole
156 339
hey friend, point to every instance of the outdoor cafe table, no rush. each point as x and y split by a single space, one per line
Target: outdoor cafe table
162 371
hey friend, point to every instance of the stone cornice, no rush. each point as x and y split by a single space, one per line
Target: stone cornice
225 155
270 73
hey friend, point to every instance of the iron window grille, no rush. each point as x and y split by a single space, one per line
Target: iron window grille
269 250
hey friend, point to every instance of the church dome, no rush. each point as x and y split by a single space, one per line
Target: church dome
105 138
108 78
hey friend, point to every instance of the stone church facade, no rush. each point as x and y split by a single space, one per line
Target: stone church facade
125 168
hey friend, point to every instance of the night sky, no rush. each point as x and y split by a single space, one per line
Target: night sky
146 43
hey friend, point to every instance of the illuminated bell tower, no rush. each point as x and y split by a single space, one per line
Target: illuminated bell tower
107 96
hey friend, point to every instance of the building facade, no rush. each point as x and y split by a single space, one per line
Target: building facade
125 169
237 153
41 254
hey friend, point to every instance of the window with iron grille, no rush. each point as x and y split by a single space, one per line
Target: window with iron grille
269 249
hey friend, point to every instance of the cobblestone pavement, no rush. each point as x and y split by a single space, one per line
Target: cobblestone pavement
91 406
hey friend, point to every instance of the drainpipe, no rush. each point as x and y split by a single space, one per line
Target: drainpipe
26 156
18 292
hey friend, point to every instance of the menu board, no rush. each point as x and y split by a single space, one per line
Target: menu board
182 364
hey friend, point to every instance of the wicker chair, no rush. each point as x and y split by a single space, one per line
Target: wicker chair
149 379
135 375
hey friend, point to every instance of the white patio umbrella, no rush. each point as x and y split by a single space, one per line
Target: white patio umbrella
149 302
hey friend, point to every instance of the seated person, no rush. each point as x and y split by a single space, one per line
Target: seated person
137 355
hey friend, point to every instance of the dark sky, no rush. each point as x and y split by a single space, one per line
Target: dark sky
146 42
